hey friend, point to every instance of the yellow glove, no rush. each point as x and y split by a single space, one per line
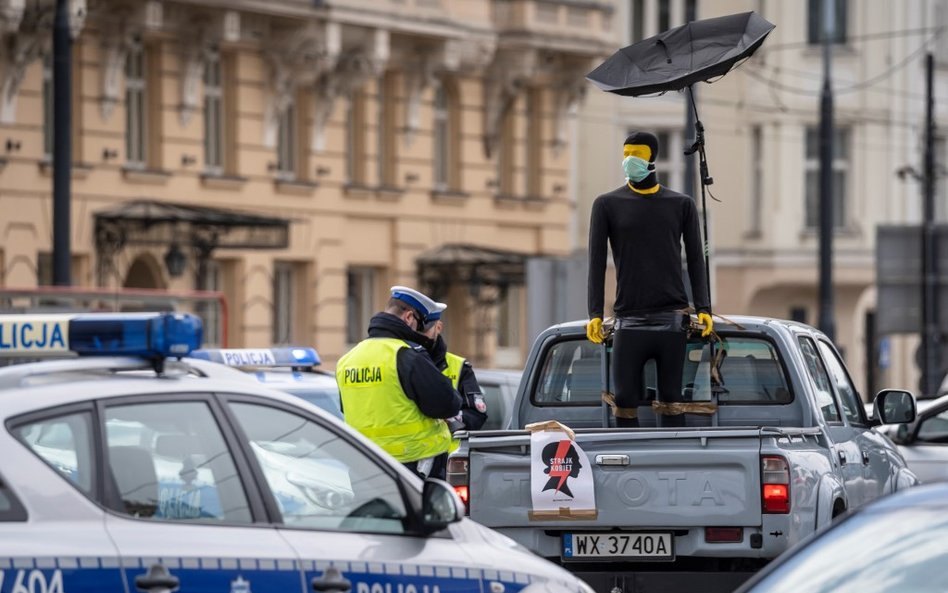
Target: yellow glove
594 330
705 319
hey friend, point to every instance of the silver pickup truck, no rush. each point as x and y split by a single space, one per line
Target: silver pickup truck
786 448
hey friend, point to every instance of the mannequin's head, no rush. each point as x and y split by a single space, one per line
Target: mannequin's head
642 147
641 144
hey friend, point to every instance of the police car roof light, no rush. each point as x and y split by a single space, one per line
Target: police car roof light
148 335
260 357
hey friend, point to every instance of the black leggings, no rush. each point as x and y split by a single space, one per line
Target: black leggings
631 349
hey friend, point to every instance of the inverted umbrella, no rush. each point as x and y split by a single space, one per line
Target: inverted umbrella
675 60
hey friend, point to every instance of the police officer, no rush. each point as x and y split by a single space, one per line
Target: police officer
393 393
473 408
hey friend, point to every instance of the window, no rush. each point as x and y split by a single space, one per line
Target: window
507 155
360 302
571 375
286 143
691 10
749 369
48 116
637 21
213 115
815 12
934 429
664 15
210 312
10 507
443 135
757 182
284 302
333 485
386 131
840 174
65 443
355 138
135 107
820 380
848 398
169 461
510 316
670 164
534 141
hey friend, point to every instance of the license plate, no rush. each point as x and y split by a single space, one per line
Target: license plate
651 546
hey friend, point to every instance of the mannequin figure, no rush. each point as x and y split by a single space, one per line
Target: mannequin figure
645 224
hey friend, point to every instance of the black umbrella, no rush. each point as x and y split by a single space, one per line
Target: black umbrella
675 60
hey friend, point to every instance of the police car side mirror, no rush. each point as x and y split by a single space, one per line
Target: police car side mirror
440 505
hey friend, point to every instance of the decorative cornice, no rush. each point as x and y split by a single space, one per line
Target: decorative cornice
118 27
24 38
505 79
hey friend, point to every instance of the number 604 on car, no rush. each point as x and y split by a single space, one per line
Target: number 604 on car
650 546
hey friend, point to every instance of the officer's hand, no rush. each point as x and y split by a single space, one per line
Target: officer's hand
708 323
594 330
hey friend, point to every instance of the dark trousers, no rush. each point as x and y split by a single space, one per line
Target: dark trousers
438 469
631 349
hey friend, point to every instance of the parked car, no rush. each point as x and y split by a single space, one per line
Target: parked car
785 448
128 467
898 543
924 442
500 391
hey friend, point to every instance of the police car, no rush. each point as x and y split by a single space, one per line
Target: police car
288 369
125 468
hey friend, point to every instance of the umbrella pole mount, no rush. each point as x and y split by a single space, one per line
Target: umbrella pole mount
706 180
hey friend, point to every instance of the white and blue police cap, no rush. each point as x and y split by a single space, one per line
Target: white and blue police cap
422 303
435 314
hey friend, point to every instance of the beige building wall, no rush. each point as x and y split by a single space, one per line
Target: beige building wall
764 255
488 55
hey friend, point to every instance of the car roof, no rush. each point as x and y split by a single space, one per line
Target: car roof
925 495
36 386
508 376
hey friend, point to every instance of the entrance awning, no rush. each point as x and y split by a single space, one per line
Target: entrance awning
470 265
150 222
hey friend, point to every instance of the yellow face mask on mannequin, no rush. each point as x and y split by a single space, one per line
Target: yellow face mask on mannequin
641 151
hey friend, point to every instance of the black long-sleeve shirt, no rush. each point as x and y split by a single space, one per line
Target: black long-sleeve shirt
645 232
421 380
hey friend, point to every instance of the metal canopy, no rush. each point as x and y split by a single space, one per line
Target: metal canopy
150 222
472 265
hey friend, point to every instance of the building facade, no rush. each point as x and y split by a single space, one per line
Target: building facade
762 123
382 131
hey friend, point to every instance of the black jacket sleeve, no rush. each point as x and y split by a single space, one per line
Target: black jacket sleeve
694 251
425 385
598 251
471 392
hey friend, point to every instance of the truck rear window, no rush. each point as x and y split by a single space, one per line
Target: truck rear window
749 368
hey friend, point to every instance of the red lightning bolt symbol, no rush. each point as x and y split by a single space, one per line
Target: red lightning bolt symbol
561 473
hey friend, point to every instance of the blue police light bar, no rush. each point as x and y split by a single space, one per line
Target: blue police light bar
260 357
150 335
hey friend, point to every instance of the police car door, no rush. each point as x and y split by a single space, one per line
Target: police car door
345 510
186 516
51 535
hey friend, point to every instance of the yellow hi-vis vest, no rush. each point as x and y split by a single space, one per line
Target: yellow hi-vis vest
453 371
375 404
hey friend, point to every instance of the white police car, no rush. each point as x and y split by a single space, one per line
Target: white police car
124 469
289 369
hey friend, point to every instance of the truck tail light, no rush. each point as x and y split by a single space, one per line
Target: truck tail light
457 475
775 484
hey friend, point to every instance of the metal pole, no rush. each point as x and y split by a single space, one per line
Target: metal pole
930 337
62 144
706 180
827 322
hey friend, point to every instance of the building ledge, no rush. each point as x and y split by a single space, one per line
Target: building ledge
228 182
295 187
79 170
449 197
507 200
389 193
146 176
535 202
358 191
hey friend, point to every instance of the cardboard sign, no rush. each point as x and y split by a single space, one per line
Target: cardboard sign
561 478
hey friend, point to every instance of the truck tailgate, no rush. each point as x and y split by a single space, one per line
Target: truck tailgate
672 479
